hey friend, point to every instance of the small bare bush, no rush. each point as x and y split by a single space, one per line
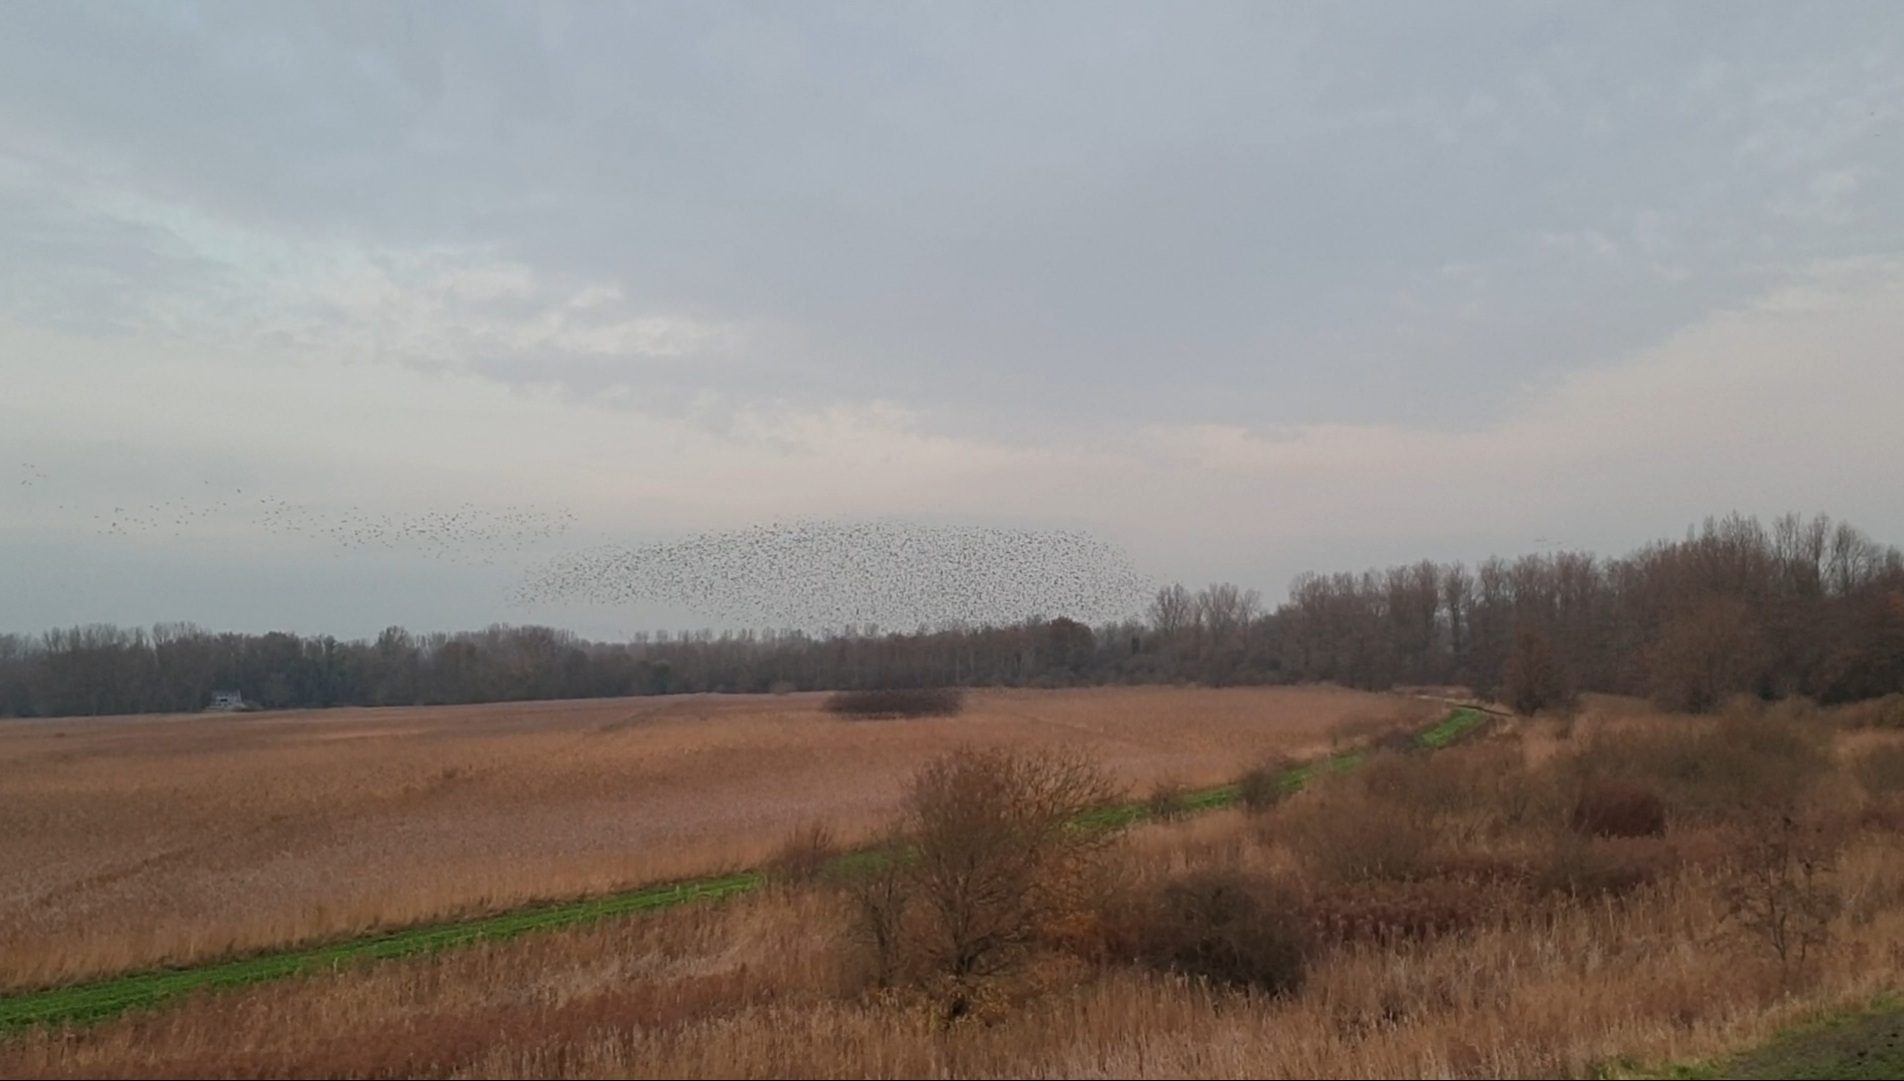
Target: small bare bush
1426 787
1604 866
1168 802
1222 925
1782 893
1390 911
1618 808
805 854
892 703
1262 786
1886 712
1718 770
993 864
1881 770
1348 835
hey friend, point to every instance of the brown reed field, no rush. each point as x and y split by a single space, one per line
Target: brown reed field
127 842
1498 941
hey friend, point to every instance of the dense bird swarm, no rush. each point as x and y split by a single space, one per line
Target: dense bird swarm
821 574
811 574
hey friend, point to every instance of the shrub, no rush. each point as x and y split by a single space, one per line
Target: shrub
1881 770
1600 867
1391 911
1168 801
1720 769
1348 835
1618 808
893 702
1782 893
1263 785
1221 925
1425 787
805 854
994 866
1886 712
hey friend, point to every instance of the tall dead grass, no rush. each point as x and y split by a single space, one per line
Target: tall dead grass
749 990
136 841
1637 952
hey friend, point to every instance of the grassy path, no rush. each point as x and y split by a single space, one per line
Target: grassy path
109 997
99 1000
1864 1045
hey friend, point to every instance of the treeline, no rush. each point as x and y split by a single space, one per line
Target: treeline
1805 607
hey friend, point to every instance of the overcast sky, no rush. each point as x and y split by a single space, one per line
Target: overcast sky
1245 289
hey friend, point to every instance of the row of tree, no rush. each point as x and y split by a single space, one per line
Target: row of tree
1800 607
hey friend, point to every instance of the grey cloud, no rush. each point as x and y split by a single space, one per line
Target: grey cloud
1020 224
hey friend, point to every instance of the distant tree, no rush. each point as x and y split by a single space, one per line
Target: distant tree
1704 655
1806 606
1536 677
1067 647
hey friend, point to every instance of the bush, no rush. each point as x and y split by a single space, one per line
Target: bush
891 703
805 854
1262 786
1602 867
1618 808
1218 924
1391 911
994 867
1886 712
1168 801
1718 769
1881 770
1783 892
1347 835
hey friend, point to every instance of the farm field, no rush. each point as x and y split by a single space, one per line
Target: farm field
129 842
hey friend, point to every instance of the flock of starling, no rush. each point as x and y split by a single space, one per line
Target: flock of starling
813 575
818 575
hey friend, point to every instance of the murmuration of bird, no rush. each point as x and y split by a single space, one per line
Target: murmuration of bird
828 575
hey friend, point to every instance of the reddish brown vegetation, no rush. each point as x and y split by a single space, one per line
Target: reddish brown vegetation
127 842
1513 945
1618 808
897 702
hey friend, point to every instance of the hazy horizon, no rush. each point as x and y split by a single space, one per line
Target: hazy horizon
330 317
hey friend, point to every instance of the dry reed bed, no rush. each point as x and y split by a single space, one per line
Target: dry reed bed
761 987
750 990
126 842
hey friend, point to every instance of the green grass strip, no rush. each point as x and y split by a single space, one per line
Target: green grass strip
1453 728
1859 1045
109 997
99 1000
